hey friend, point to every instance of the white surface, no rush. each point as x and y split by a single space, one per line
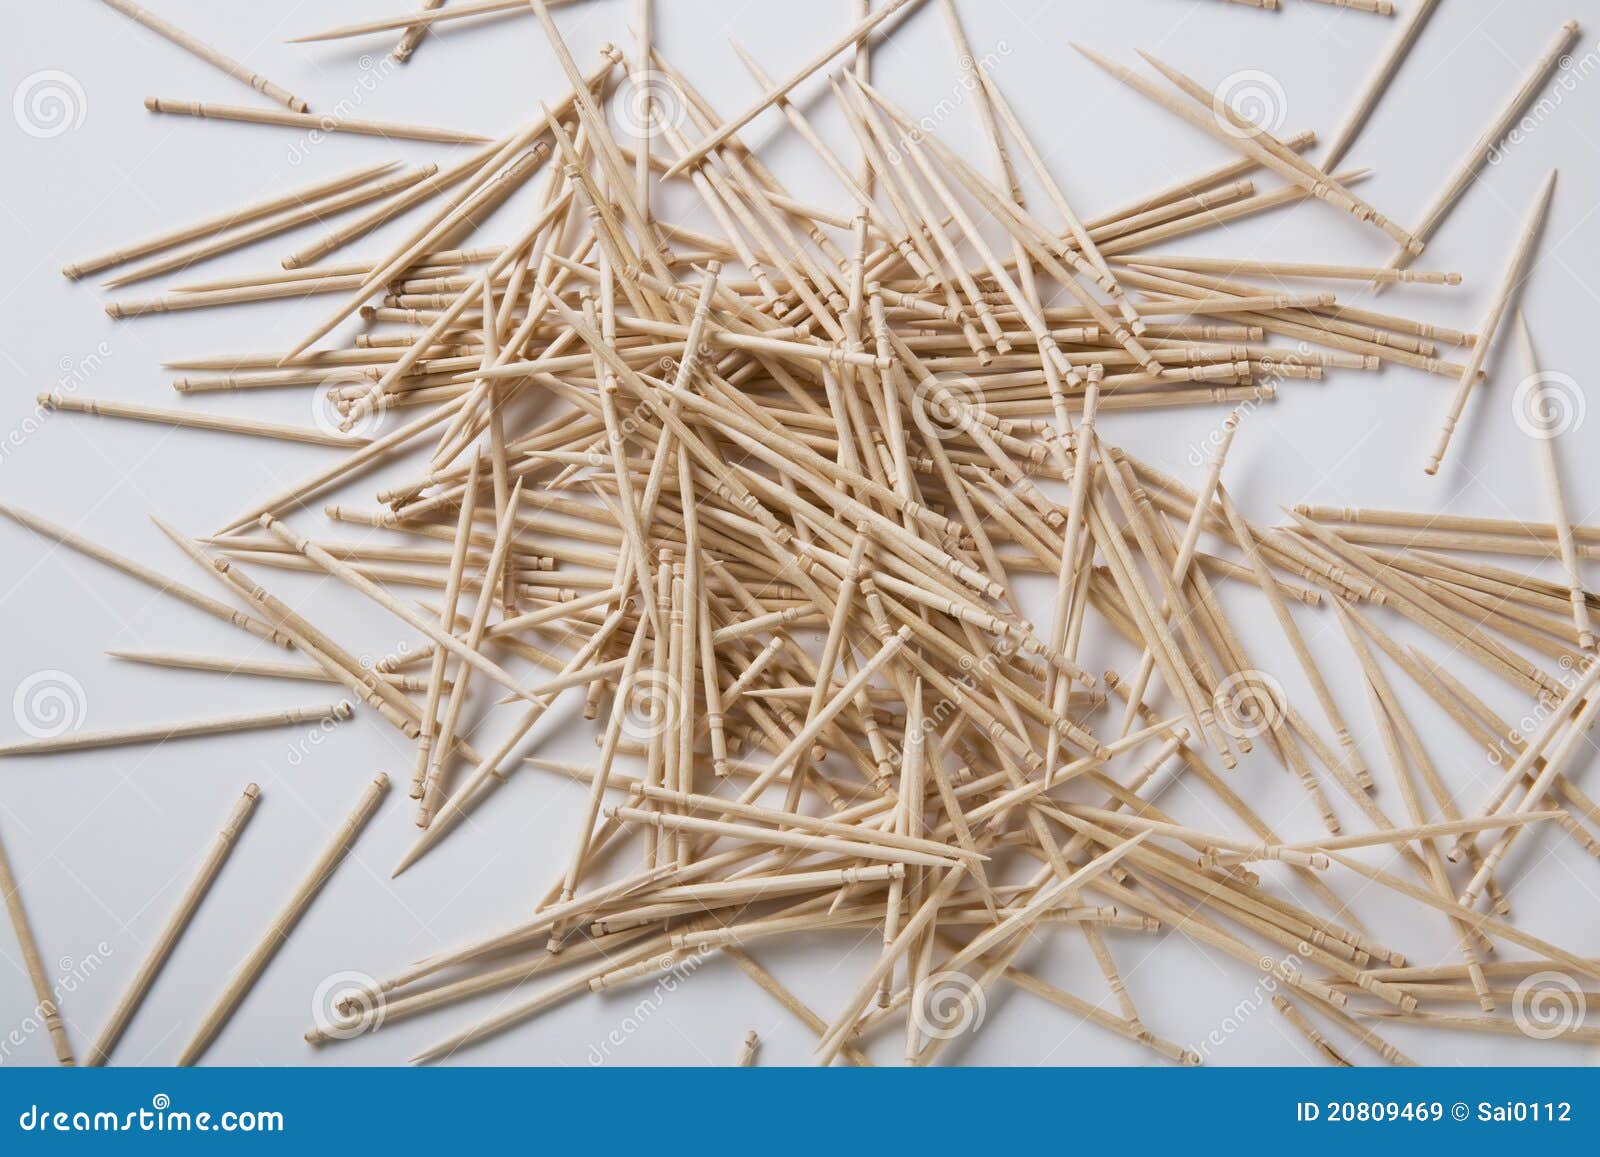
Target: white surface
103 842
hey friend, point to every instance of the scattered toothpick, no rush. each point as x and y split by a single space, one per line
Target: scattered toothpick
762 496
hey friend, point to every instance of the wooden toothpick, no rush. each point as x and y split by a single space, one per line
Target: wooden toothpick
322 124
856 35
1516 272
208 54
160 733
235 217
1378 83
146 575
774 488
1544 434
173 929
748 1049
250 970
43 993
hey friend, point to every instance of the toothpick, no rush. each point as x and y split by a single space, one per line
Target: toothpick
146 575
1444 202
1269 587
748 1049
458 559
240 216
249 971
306 672
190 420
1378 83
1277 269
1516 272
314 211
435 783
856 35
1545 437
1247 139
208 54
425 18
33 963
415 33
1378 7
349 574
161 950
161 733
322 124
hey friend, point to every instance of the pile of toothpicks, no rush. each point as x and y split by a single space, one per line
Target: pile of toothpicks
760 497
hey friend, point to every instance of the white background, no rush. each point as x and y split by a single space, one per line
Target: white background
103 842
